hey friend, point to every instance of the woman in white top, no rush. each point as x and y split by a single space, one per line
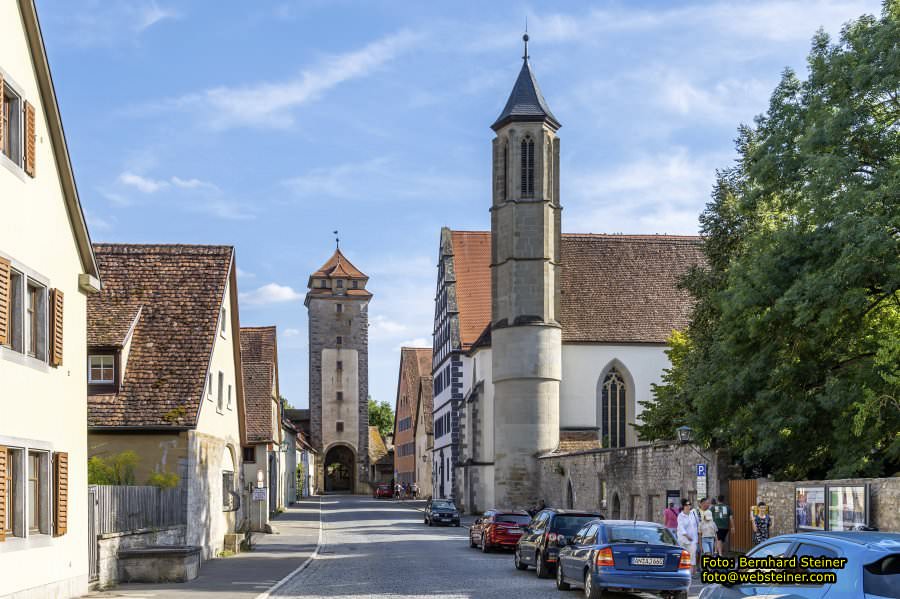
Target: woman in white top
687 531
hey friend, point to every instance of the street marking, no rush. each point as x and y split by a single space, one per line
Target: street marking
301 567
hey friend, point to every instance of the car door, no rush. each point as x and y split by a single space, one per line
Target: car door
566 554
531 537
584 550
809 549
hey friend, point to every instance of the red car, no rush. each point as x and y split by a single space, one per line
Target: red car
497 528
382 491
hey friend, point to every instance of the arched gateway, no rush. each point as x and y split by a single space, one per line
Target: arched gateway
339 469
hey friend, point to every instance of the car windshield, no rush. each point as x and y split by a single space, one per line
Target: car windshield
569 525
442 505
653 535
512 519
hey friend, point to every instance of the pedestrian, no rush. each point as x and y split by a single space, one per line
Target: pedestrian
707 527
687 531
762 522
724 519
670 518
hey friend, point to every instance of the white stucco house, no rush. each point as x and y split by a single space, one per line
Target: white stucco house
47 272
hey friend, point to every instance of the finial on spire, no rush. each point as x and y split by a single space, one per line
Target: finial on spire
337 241
525 39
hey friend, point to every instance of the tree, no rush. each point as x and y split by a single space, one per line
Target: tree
792 357
381 414
116 469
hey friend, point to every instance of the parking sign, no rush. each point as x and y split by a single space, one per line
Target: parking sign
701 469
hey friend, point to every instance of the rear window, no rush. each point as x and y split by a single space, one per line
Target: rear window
652 535
882 578
512 519
569 525
442 505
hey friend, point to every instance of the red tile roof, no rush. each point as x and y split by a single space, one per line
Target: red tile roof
415 363
613 288
180 289
259 358
339 267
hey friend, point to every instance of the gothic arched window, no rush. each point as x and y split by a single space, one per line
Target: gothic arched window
612 410
527 167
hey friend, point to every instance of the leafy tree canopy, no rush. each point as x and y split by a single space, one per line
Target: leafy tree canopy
792 358
381 414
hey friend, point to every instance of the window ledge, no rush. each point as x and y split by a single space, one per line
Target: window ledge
23 359
35 541
12 167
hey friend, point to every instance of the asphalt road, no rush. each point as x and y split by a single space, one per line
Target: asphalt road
381 549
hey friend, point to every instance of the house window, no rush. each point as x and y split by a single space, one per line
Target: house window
27 316
101 369
222 321
339 426
12 492
503 181
209 386
229 397
340 283
35 489
527 167
355 284
221 390
612 410
340 365
340 396
339 308
11 122
340 340
249 454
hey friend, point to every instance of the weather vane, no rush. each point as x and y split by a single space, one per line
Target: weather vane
337 240
525 39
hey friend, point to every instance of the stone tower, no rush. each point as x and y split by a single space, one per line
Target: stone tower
337 303
526 337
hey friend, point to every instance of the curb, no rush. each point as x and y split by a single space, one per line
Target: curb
321 541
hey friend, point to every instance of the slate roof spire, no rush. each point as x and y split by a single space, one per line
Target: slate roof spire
526 103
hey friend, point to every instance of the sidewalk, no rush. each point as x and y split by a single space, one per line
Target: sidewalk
246 575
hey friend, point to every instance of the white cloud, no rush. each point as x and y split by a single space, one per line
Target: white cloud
151 14
111 22
273 104
97 223
141 183
290 332
243 274
271 293
192 183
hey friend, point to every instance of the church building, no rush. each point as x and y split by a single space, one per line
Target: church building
338 306
544 342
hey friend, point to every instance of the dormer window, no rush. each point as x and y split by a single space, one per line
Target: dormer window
355 284
101 369
340 283
527 166
323 283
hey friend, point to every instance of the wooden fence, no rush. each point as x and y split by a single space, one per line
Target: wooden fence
133 508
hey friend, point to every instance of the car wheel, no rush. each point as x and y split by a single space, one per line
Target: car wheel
590 590
561 584
540 566
518 561
485 548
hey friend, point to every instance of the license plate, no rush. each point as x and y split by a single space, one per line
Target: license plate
647 561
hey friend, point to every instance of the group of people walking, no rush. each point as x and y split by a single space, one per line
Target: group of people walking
406 491
704 529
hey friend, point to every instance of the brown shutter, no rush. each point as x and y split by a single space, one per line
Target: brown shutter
61 493
3 492
56 327
30 139
5 303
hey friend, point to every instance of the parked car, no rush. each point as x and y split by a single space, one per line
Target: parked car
872 570
624 555
382 491
498 529
541 540
441 511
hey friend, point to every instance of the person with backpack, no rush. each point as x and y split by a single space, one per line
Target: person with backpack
724 519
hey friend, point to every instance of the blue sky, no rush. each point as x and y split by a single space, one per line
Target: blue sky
267 125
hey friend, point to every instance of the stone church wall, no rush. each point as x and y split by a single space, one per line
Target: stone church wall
635 479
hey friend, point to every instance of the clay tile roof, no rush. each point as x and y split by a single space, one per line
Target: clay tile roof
613 288
415 363
259 363
625 288
472 267
377 448
339 266
179 289
571 441
111 324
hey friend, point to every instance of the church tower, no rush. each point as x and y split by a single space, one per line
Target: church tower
526 337
338 303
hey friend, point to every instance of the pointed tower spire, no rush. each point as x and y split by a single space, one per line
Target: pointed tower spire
526 102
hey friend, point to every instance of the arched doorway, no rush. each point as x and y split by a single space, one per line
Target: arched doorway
339 463
616 507
570 496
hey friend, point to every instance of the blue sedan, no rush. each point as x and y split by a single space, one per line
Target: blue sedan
872 570
624 555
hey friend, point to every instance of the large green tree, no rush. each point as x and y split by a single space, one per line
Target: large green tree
381 415
792 358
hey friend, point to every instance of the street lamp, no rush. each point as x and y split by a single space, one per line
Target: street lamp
685 434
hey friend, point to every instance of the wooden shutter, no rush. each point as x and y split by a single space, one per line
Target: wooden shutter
30 139
61 493
3 492
56 327
5 301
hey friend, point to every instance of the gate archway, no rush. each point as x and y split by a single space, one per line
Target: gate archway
339 467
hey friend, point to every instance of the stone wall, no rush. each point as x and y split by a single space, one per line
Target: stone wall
629 482
110 544
884 501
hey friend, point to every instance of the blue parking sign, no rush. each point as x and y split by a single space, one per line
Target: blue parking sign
701 469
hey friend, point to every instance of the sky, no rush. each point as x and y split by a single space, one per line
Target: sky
267 125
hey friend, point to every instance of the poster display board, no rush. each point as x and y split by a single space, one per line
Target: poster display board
848 507
809 508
